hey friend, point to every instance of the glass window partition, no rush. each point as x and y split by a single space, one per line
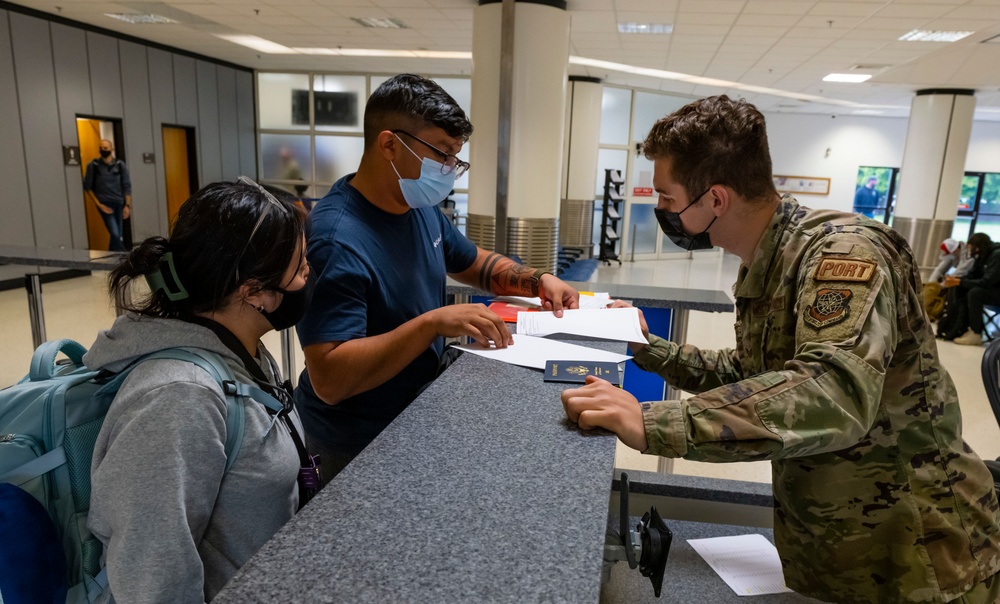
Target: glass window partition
310 127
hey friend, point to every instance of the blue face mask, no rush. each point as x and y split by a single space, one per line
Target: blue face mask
432 186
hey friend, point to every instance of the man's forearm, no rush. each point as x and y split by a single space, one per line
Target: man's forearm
357 366
502 276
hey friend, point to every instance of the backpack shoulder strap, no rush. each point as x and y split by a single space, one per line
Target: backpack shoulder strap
223 375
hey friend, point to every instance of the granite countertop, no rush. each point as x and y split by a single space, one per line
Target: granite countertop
65 258
647 296
697 487
480 490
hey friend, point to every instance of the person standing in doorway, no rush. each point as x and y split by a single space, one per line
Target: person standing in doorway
867 196
107 184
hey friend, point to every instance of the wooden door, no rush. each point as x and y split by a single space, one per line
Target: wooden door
88 132
176 164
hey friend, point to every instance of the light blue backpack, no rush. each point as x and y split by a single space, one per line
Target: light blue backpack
49 423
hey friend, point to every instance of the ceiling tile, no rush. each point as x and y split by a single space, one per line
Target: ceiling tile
845 9
754 20
776 7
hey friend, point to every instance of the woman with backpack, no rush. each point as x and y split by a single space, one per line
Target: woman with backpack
176 510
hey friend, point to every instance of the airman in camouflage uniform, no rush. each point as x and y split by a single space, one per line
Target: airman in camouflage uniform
836 380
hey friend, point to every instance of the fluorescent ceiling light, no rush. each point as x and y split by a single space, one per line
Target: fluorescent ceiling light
380 22
645 28
922 35
853 78
257 43
143 19
378 52
867 112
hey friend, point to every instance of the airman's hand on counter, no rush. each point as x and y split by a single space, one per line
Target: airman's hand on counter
557 295
473 320
598 404
634 346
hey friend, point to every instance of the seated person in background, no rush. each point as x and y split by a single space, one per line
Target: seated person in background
954 260
175 525
981 286
835 379
381 251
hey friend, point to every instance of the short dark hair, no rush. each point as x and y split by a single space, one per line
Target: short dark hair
214 250
715 140
980 241
411 102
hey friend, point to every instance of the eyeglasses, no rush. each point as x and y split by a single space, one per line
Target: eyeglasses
450 164
272 203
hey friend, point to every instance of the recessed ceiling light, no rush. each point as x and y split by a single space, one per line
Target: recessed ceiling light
868 112
645 28
137 19
380 22
923 35
853 78
256 43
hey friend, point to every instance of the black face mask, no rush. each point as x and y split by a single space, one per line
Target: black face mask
292 307
673 228
105 153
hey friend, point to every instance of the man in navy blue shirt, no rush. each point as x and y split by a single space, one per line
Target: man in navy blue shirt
380 251
108 185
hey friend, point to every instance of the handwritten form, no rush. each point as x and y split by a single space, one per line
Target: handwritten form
749 564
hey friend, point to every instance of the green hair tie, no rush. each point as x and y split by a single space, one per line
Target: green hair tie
157 281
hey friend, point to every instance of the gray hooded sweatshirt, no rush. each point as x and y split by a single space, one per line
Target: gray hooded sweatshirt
174 525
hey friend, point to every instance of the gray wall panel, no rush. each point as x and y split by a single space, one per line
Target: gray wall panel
161 93
138 126
185 91
105 76
229 134
36 91
50 73
69 52
209 148
16 227
248 129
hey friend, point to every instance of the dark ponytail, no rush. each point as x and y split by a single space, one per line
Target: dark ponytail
225 235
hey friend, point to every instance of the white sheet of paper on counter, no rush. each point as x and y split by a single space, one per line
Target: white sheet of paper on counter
529 351
749 564
587 300
620 324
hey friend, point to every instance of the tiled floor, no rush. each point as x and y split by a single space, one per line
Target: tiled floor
78 308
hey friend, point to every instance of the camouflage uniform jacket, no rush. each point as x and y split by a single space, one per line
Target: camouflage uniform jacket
836 380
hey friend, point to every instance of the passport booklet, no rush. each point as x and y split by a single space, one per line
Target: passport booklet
576 372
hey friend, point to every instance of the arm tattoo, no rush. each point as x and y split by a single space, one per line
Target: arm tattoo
501 275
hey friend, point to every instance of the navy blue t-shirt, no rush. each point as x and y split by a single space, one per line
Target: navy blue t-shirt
374 271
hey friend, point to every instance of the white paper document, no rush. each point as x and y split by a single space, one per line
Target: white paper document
529 351
749 564
605 323
587 300
595 300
